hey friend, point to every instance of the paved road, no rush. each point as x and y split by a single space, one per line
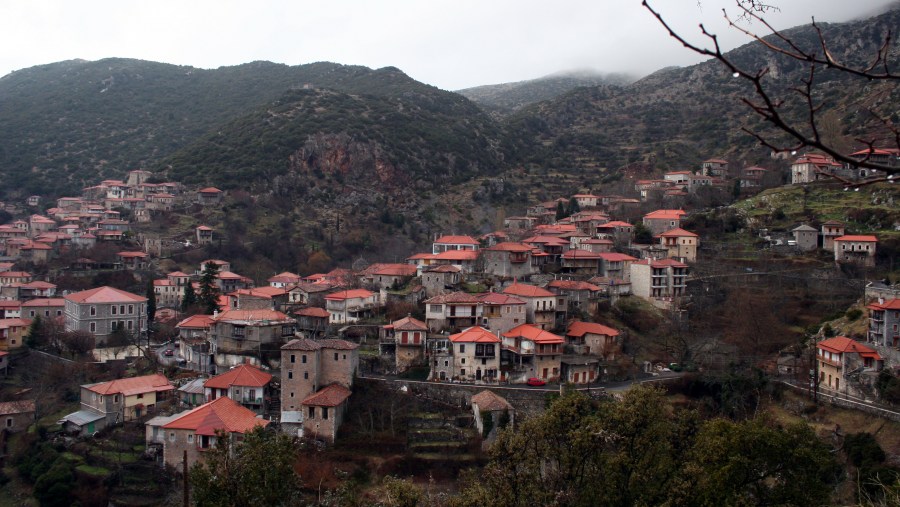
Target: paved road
608 386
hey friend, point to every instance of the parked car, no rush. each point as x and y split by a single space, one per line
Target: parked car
534 381
169 353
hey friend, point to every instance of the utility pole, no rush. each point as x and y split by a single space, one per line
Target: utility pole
184 468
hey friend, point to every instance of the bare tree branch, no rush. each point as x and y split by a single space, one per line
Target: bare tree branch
771 109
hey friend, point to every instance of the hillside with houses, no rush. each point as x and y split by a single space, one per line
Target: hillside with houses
577 292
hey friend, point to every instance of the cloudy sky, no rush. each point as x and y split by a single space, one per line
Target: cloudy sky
451 44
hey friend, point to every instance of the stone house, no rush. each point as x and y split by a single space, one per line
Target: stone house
439 279
540 304
12 333
310 366
312 320
204 235
193 340
529 351
660 280
839 357
476 355
15 416
487 402
830 230
590 338
579 295
806 237
680 244
580 262
109 403
498 313
577 369
209 196
855 249
616 265
884 323
245 384
386 276
510 260
663 220
324 412
406 339
46 308
103 310
454 310
238 335
349 306
454 242
714 167
195 431
284 280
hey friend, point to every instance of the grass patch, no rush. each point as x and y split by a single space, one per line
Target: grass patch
91 470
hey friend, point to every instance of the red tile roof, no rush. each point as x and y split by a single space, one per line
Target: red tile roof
678 233
616 257
843 344
285 277
209 190
496 298
510 247
44 302
869 239
133 385
457 255
329 396
302 344
252 316
525 290
573 285
220 414
453 298
245 375
666 214
443 268
104 295
336 344
409 324
892 304
457 240
533 333
475 334
487 401
579 329
313 312
391 270
349 294
580 254
196 322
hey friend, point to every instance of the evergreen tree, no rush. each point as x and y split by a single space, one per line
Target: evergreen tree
37 334
189 298
151 305
209 291
573 206
560 211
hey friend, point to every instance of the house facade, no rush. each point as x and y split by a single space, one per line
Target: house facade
103 310
884 323
838 357
855 249
245 384
476 355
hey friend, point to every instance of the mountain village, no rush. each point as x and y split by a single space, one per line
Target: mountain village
510 307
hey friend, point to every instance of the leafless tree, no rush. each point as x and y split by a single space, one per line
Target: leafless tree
810 130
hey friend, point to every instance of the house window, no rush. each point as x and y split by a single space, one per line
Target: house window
292 395
462 372
113 311
335 356
287 330
122 309
312 412
462 361
303 359
190 438
130 325
93 311
252 394
306 375
325 413
462 349
293 358
140 396
171 436
130 309
237 392
344 356
290 374
115 398
9 422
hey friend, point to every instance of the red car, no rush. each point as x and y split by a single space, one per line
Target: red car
534 381
169 353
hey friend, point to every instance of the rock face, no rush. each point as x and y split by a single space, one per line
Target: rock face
354 162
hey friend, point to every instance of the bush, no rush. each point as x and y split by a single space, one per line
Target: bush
854 314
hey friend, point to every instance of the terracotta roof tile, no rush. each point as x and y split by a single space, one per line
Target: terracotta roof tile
220 414
329 396
104 295
241 375
579 329
133 385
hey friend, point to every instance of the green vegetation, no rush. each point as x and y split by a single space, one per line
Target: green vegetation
592 453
